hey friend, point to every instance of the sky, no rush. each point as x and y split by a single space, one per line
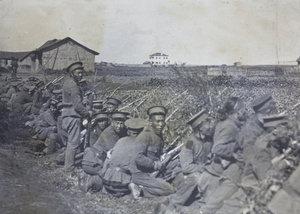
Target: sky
197 32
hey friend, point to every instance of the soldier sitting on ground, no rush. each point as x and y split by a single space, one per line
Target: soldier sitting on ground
193 157
94 156
147 158
117 175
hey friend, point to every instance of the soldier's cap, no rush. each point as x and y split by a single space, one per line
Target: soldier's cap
59 105
75 66
28 87
274 120
57 91
39 83
261 102
197 119
101 116
33 79
158 110
97 104
118 115
11 79
16 83
113 101
135 124
54 102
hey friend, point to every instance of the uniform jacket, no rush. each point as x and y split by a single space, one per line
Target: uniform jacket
107 139
193 160
72 100
95 134
250 131
20 99
149 149
225 138
122 153
263 153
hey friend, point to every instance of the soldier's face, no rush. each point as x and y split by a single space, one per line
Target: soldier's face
241 114
110 108
118 126
283 135
102 124
132 133
77 74
157 123
207 128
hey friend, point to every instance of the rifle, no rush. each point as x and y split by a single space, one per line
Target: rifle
118 88
286 111
89 126
56 80
166 158
144 97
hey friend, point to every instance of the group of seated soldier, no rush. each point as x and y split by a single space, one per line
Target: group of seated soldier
224 162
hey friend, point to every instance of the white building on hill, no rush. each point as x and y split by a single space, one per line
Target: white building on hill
159 59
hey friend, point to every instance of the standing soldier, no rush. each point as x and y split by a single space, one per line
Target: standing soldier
73 112
14 66
147 160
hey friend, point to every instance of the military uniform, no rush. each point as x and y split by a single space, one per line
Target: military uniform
72 113
95 156
225 143
149 149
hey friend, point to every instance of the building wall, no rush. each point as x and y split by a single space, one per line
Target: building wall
67 54
159 60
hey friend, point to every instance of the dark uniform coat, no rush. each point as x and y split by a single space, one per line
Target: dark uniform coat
194 159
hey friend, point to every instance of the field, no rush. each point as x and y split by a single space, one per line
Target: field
32 183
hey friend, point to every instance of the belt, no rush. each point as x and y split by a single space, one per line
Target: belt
121 170
67 105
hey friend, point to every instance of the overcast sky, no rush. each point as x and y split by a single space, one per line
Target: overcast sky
127 31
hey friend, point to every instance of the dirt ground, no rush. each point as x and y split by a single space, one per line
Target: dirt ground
35 184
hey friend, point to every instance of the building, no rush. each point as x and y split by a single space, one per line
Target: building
59 54
6 57
159 59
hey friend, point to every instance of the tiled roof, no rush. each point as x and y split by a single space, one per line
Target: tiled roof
9 55
52 44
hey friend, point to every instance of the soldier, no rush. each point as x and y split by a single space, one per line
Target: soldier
147 159
269 146
193 157
94 157
45 123
117 175
262 106
227 161
99 123
97 106
112 104
14 66
22 99
73 112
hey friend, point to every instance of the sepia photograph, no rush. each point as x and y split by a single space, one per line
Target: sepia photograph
149 107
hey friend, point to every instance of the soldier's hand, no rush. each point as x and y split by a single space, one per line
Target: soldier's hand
158 165
90 114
